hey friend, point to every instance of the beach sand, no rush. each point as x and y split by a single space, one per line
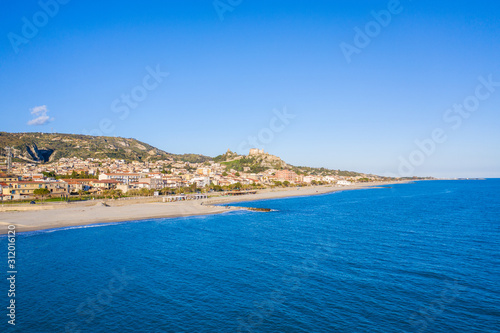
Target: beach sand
50 216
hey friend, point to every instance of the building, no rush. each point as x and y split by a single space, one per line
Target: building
7 195
256 151
329 179
173 182
124 178
306 179
8 178
25 189
204 171
286 175
201 181
105 184
76 185
140 185
154 183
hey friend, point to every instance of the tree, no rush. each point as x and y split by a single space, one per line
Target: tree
41 192
166 191
237 174
81 193
51 174
235 186
216 187
286 183
224 174
112 193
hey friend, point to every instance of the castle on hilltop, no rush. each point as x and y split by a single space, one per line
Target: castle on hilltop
256 151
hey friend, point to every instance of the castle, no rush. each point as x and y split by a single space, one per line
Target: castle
256 151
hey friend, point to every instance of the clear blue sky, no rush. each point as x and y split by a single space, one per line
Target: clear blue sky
227 76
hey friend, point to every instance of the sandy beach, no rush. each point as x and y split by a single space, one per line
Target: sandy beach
50 216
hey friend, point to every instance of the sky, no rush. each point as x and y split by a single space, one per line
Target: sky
396 88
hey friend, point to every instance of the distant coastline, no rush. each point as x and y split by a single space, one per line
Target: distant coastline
53 216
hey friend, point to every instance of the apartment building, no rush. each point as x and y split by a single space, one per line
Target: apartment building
286 175
124 178
25 189
4 178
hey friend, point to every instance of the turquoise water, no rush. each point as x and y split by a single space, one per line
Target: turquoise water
420 257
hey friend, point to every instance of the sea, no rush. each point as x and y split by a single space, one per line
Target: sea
417 257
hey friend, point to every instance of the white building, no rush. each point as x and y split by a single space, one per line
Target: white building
125 178
329 179
154 182
307 179
201 181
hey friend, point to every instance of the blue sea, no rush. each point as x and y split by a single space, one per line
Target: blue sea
420 257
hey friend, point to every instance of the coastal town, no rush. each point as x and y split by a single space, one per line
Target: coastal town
74 178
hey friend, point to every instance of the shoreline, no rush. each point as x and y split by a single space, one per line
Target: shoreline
89 213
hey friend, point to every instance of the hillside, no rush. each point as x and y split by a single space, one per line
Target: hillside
258 161
253 162
48 147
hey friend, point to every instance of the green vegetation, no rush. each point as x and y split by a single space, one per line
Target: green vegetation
112 194
324 172
50 174
47 147
241 163
224 157
236 162
193 158
73 175
43 192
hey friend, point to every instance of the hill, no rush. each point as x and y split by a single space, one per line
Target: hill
254 162
48 147
258 161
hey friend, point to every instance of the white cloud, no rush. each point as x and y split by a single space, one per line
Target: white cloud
39 109
41 115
